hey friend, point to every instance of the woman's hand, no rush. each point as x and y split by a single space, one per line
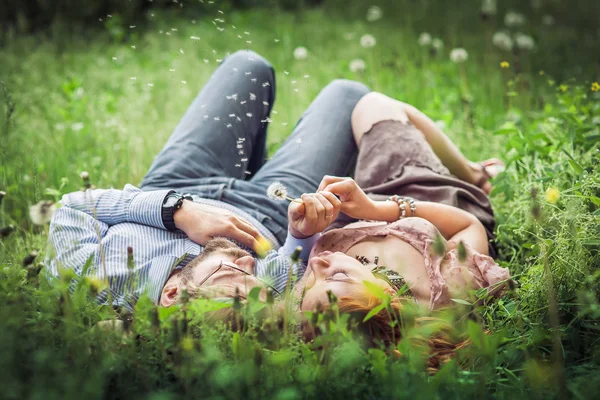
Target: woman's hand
355 203
316 212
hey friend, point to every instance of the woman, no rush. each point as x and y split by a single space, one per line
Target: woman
430 223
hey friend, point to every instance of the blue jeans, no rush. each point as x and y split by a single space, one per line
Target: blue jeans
218 149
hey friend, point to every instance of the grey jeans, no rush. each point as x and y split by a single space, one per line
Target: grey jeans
218 149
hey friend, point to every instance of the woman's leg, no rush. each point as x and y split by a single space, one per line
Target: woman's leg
376 107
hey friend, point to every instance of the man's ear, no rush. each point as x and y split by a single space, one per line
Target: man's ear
170 292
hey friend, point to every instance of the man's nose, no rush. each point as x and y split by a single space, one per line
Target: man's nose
246 263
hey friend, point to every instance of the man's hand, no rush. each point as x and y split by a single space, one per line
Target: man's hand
201 222
355 203
316 212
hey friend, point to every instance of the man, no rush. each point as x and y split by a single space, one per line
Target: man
216 154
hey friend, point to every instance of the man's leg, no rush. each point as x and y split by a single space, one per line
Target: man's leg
321 144
223 133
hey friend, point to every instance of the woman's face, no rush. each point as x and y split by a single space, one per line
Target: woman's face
339 273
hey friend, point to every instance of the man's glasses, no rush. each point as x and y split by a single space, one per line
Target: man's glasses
235 267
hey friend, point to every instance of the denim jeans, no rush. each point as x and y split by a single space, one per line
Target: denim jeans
218 149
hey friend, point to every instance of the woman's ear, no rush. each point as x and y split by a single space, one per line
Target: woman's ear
169 294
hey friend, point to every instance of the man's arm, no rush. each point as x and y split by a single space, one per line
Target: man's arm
199 222
112 206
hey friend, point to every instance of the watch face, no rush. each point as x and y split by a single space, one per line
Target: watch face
171 201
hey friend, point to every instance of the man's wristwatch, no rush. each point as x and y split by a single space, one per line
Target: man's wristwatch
172 202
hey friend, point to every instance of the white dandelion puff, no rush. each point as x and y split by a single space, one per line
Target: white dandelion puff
368 41
300 53
524 42
488 7
41 213
459 55
374 13
503 41
437 44
425 39
357 65
513 19
277 191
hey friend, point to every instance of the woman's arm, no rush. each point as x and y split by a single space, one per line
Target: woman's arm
453 223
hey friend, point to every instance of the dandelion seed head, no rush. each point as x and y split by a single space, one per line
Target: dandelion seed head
513 19
300 53
277 191
41 213
524 42
488 7
437 44
503 41
368 41
374 13
424 39
459 55
357 65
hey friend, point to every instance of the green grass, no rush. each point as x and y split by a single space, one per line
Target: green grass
76 109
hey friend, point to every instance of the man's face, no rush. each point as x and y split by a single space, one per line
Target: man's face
220 271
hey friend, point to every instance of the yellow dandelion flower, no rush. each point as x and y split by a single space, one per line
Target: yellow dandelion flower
504 64
595 87
552 195
262 246
563 88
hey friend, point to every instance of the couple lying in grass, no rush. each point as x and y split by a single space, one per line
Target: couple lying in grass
416 215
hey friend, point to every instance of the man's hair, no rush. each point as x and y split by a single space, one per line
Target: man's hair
216 245
385 329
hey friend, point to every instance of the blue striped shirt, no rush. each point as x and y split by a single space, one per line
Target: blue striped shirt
93 229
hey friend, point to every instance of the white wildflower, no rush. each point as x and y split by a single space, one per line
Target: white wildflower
41 213
374 13
503 41
84 175
194 38
357 65
488 7
548 20
367 41
300 53
277 191
513 19
424 39
459 55
437 44
524 42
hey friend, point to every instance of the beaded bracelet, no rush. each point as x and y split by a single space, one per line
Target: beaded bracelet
402 202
